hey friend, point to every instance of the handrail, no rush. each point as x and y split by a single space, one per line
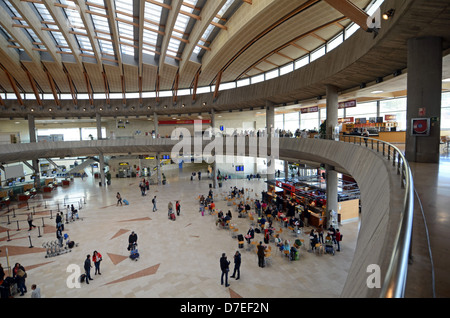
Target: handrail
395 280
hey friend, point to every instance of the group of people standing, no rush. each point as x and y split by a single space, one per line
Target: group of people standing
96 259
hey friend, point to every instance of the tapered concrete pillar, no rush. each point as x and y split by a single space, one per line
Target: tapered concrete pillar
102 168
158 168
155 123
332 110
424 86
286 169
332 192
214 163
35 163
270 129
99 126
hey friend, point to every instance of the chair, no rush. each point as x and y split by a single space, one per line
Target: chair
234 232
252 219
268 258
286 253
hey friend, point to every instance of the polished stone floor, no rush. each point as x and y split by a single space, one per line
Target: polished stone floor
181 258
177 258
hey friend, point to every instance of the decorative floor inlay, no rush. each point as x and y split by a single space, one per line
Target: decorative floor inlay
145 272
140 219
119 233
19 250
116 259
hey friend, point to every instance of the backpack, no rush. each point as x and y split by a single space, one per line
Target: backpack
341 238
153 200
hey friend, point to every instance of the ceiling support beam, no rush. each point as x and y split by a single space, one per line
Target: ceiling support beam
175 87
122 81
12 82
53 87
88 87
110 9
216 88
72 88
33 86
106 86
194 91
157 88
140 38
169 26
351 11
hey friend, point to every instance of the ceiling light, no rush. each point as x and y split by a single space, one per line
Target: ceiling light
376 92
388 14
447 80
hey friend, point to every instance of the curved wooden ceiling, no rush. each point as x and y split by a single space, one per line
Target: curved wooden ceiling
123 46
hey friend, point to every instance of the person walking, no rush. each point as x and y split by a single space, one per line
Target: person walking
87 268
119 199
59 236
132 240
154 204
224 266
237 265
97 258
30 221
36 291
178 207
261 252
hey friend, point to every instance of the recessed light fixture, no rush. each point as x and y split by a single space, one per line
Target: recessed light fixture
388 14
377 92
49 109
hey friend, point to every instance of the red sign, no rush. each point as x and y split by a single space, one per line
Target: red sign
183 122
346 120
285 186
347 104
310 109
390 117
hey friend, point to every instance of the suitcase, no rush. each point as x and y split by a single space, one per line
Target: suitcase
126 202
172 216
134 255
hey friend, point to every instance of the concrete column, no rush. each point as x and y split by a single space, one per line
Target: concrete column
99 126
332 192
332 109
35 163
214 164
102 169
424 85
158 168
270 128
286 169
155 122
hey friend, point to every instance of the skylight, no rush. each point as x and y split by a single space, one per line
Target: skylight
152 20
180 26
211 27
101 25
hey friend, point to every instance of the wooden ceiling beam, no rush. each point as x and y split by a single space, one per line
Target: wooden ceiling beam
208 13
33 86
141 38
110 9
89 25
12 82
61 22
351 11
170 24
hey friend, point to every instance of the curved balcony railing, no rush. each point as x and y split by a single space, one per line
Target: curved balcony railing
395 280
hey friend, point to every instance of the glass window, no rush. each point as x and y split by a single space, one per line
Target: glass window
352 29
362 110
335 42
395 107
272 74
243 82
291 121
318 53
287 69
302 62
279 121
257 78
225 86
309 121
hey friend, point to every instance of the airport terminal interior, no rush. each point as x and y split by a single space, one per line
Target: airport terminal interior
346 101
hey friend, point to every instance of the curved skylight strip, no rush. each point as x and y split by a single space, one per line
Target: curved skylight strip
45 16
211 27
101 26
76 24
180 27
152 20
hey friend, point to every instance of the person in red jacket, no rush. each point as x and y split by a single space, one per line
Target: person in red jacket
178 207
338 240
96 258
